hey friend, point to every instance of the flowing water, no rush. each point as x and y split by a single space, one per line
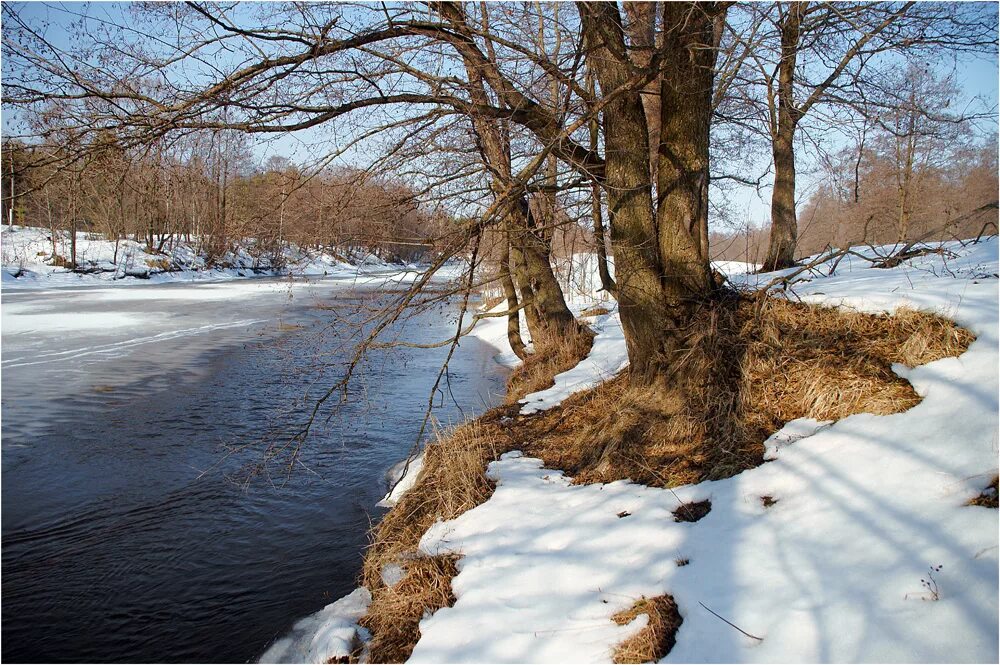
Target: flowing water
131 418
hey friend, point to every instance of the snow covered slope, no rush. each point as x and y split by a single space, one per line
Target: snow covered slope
865 510
26 254
868 554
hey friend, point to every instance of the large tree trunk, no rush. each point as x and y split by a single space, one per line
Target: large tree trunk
659 268
554 317
784 225
640 24
540 291
686 113
522 281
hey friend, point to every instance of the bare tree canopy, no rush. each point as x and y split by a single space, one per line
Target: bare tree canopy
516 118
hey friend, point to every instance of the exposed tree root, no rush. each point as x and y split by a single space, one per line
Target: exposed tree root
760 368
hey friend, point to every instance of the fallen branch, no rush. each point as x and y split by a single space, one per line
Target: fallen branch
759 639
786 280
907 252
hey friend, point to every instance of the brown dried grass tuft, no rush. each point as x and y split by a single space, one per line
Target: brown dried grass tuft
595 311
452 481
538 371
395 612
750 368
164 264
989 497
657 638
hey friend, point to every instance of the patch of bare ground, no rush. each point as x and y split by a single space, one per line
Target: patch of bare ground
988 498
692 511
656 638
757 365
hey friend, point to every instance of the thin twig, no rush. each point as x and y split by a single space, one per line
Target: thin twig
759 639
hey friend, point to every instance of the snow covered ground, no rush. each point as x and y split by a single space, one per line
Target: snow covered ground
868 552
27 253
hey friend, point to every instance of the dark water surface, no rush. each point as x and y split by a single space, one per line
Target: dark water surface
116 545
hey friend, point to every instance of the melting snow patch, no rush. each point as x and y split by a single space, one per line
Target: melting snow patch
608 356
404 477
331 633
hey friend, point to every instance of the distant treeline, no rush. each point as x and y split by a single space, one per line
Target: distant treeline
211 190
891 190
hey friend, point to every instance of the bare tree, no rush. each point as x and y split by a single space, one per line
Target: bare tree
823 54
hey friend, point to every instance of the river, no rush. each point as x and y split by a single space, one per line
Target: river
130 418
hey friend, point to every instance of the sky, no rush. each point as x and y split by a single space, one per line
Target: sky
977 78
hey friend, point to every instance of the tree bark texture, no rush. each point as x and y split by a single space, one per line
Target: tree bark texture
784 225
513 305
661 272
546 312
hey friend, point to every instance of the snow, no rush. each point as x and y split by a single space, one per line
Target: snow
831 572
333 632
26 254
865 509
731 268
404 477
492 330
608 356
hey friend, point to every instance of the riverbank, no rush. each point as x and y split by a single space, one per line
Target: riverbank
863 537
30 262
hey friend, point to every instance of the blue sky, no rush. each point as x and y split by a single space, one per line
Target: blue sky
977 78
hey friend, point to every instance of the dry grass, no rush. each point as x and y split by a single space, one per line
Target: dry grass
395 612
988 498
538 371
657 638
746 371
595 311
452 481
754 370
163 264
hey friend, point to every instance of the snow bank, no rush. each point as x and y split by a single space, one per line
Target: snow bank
608 356
333 632
403 476
832 571
26 254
